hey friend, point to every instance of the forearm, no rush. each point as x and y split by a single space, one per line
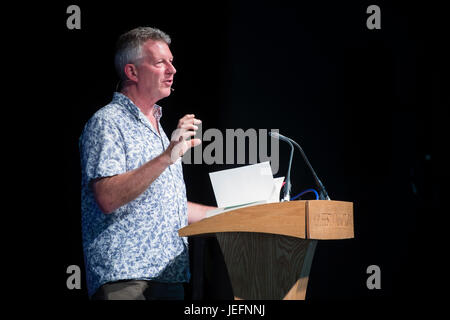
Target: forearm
114 192
196 211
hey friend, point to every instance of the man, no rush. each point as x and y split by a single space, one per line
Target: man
133 192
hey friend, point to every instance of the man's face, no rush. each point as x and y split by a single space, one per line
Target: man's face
155 70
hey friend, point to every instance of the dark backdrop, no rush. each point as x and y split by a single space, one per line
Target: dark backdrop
366 106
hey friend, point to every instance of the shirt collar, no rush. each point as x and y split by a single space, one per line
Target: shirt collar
125 101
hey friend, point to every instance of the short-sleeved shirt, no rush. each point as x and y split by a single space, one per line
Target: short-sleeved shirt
140 239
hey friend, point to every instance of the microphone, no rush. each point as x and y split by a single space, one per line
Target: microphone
287 192
323 195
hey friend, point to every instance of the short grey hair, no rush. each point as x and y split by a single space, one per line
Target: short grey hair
129 46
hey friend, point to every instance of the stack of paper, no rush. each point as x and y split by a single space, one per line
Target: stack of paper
244 186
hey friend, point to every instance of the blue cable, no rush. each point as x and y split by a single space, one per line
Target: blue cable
306 191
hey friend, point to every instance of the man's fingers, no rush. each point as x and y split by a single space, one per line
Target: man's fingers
189 126
195 142
180 148
181 141
188 134
187 116
188 119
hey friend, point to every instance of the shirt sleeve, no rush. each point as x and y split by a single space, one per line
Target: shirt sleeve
102 150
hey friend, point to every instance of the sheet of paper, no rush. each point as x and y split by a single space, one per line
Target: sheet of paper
243 185
214 212
275 196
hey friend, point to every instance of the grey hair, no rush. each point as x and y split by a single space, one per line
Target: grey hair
129 46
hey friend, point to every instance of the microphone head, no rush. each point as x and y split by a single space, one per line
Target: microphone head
275 135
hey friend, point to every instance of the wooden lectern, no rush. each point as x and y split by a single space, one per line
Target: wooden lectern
268 248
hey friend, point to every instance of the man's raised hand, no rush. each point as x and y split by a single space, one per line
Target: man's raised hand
181 140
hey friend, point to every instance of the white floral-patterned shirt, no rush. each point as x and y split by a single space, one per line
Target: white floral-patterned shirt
140 239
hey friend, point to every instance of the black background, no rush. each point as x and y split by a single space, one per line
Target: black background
367 106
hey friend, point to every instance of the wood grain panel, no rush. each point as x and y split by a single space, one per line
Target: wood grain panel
328 219
263 266
285 218
298 291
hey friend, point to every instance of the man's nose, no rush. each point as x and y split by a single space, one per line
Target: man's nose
171 69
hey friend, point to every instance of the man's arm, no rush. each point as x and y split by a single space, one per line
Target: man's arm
196 211
116 191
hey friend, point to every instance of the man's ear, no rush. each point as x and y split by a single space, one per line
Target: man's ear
131 72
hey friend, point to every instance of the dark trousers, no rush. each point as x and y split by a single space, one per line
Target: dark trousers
139 290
